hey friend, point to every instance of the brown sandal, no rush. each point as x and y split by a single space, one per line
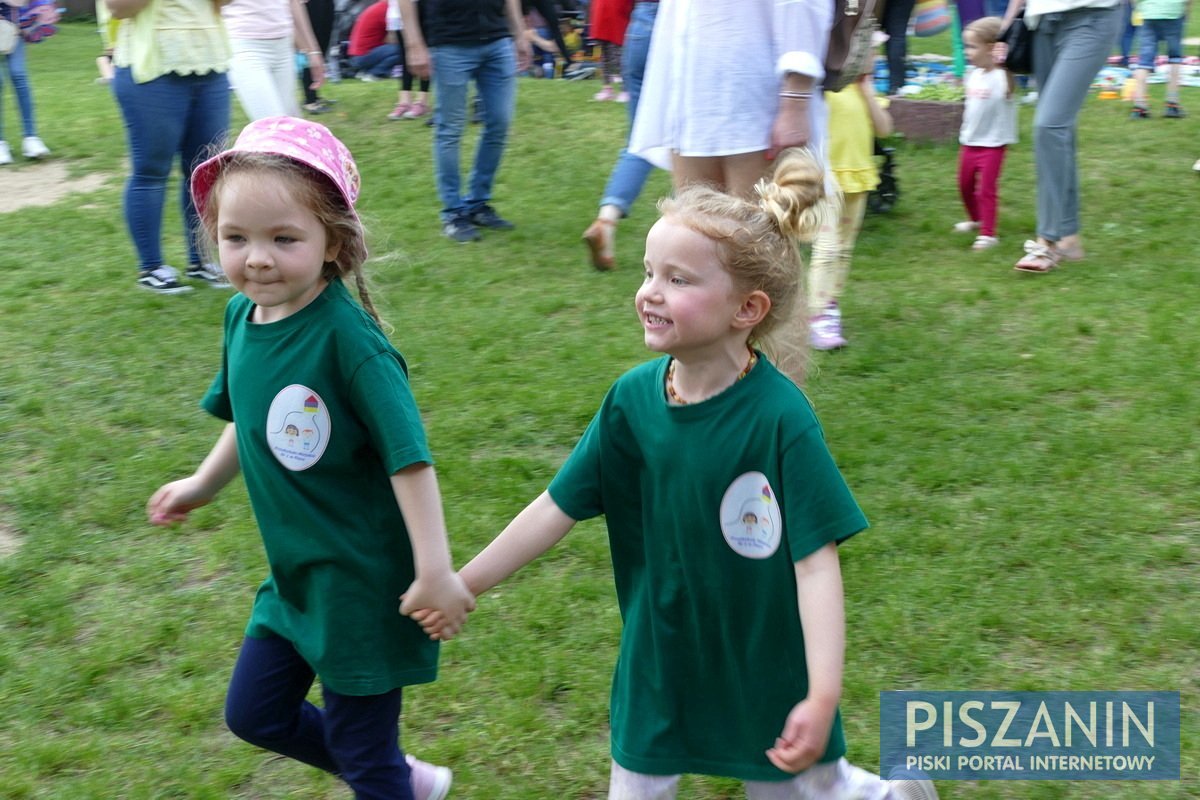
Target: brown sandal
598 237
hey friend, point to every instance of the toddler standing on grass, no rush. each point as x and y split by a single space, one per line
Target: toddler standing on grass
724 511
856 119
1162 21
323 424
989 125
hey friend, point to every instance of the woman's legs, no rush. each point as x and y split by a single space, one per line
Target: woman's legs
19 75
895 25
206 125
320 17
736 174
1069 49
262 73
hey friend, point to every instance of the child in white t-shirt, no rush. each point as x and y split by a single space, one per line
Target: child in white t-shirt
989 125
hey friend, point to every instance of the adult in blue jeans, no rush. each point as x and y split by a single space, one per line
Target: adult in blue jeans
463 41
630 172
13 63
171 60
1071 42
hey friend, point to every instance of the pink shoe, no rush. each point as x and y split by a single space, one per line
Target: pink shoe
606 93
417 111
399 111
428 781
825 330
623 97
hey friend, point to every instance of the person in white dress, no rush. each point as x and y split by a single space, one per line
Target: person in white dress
728 85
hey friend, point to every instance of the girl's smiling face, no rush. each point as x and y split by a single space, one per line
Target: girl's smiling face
273 249
687 301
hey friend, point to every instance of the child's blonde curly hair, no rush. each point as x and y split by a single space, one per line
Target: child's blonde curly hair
758 244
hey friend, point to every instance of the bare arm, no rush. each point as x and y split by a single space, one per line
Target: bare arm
822 616
306 42
540 526
415 51
173 501
801 35
516 26
881 120
436 586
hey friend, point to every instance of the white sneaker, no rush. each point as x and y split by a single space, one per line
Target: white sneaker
5 153
984 243
1195 166
33 147
966 226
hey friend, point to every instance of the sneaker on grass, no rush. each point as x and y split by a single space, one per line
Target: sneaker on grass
825 332
429 782
460 230
209 273
161 280
486 217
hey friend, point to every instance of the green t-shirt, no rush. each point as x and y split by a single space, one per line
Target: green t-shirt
708 506
324 416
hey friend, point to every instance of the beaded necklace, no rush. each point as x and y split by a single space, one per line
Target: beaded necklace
679 401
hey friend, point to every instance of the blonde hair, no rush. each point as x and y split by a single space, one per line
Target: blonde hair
758 244
314 191
986 28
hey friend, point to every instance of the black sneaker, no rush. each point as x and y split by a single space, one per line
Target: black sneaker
209 273
486 217
161 280
460 230
1139 112
1173 111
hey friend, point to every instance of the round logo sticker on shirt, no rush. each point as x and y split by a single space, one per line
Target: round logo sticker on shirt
750 518
298 427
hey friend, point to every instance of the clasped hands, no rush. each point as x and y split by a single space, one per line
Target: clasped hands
439 604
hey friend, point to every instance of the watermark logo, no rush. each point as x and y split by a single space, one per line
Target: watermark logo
1029 735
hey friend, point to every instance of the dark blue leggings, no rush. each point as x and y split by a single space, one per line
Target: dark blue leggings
355 738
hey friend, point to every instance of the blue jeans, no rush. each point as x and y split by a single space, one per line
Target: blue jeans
355 738
14 64
1069 48
493 67
379 61
630 172
172 115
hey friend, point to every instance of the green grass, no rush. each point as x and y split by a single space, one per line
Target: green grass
1025 446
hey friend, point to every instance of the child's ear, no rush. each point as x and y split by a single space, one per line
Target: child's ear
754 309
333 249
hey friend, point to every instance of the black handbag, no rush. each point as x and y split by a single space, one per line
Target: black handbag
1019 39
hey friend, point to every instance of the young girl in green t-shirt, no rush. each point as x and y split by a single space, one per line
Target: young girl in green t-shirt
724 510
323 425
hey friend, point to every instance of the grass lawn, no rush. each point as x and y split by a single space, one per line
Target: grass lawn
1026 448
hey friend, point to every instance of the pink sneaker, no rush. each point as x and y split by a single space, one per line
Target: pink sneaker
399 111
417 111
623 97
606 93
825 332
429 782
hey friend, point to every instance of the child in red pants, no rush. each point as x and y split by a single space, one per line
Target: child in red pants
989 125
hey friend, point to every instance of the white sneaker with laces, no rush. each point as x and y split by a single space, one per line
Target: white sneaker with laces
33 147
984 243
162 280
5 153
209 273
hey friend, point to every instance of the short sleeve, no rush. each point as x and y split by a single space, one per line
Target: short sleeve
819 507
801 34
383 400
577 488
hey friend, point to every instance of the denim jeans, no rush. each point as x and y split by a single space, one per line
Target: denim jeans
630 172
378 61
493 67
1069 48
355 738
14 65
171 116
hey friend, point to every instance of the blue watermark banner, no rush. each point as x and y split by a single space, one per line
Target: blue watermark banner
1029 735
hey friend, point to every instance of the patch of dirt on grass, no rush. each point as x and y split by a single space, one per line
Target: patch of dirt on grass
42 185
10 541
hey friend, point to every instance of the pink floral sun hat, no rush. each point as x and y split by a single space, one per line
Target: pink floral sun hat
309 143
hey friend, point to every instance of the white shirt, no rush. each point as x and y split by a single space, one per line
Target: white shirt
989 114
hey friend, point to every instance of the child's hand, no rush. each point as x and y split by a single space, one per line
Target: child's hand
172 502
440 604
805 736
